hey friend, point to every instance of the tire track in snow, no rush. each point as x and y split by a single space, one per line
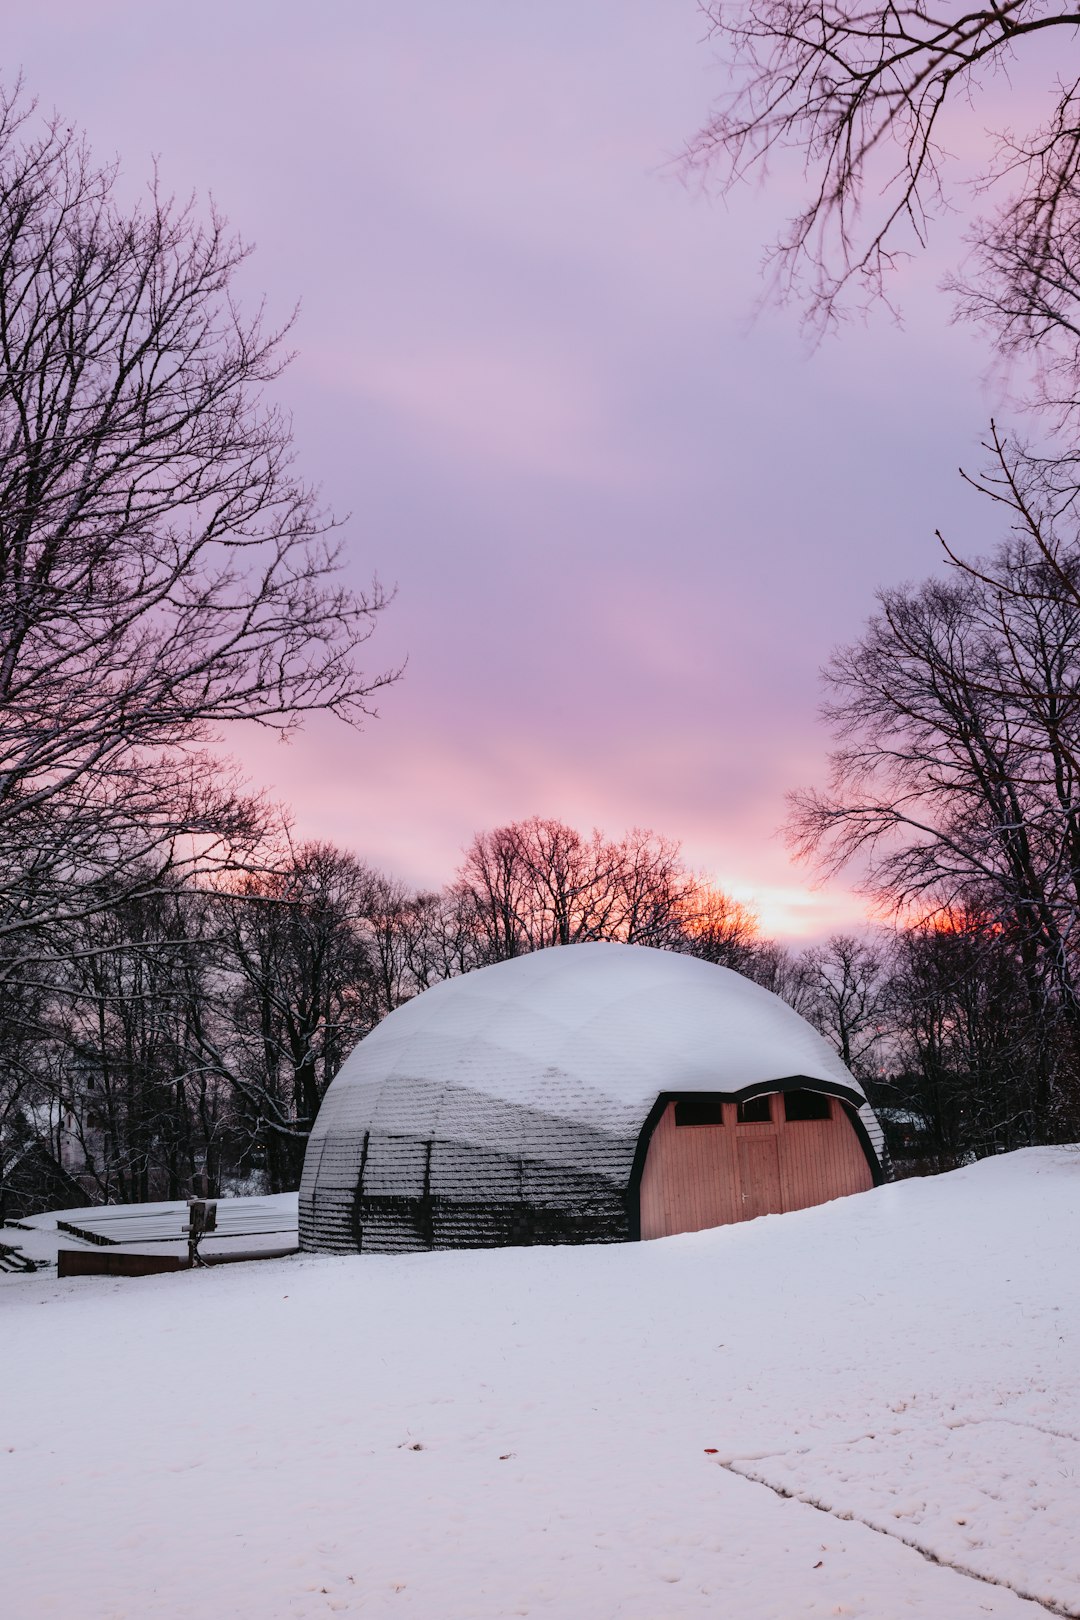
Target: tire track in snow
744 1467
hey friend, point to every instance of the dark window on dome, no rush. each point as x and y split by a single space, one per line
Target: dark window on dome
704 1110
755 1111
805 1105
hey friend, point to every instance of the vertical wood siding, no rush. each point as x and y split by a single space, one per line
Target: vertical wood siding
697 1176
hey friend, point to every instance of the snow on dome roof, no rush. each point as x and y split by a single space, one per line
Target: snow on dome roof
620 1022
553 1057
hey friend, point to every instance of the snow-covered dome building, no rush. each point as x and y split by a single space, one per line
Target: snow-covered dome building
583 1094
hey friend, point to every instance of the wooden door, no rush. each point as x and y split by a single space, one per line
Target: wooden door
698 1176
690 1179
759 1173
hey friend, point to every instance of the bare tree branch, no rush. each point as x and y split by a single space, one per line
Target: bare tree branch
163 569
860 96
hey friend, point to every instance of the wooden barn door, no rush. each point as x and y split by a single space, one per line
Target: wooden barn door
690 1179
780 1156
759 1173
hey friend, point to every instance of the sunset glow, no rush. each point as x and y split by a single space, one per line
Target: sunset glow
626 522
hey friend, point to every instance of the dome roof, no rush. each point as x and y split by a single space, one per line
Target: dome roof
578 1027
556 1057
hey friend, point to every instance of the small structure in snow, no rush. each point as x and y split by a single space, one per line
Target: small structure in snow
583 1094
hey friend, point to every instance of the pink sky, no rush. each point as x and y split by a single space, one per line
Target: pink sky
626 522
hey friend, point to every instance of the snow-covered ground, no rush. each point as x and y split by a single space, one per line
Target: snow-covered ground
871 1409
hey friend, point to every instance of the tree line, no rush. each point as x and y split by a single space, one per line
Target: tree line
195 1034
195 1031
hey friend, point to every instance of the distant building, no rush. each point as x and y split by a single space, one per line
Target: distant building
32 1179
583 1094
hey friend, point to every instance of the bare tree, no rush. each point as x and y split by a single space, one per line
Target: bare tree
925 786
28 1069
972 1054
655 897
539 882
571 881
442 935
956 785
130 1090
845 983
494 878
714 926
299 990
783 971
862 95
386 910
163 569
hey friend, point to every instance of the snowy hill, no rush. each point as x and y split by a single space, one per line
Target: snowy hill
795 1416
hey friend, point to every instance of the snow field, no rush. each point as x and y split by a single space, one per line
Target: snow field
579 1434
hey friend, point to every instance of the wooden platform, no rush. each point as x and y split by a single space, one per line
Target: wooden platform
115 1262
